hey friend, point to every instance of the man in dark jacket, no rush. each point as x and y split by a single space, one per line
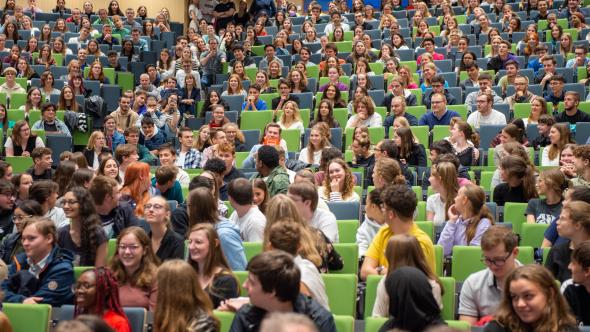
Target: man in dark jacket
273 286
498 62
438 85
42 274
115 215
7 198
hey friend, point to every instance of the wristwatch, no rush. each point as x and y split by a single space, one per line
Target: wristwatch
379 269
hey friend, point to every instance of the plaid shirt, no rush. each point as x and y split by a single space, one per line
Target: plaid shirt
192 159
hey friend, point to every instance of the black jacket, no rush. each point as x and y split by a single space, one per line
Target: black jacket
7 247
277 100
249 317
89 155
124 216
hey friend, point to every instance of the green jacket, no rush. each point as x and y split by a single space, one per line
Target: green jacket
277 181
144 154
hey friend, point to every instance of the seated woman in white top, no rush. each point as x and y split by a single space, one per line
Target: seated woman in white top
365 114
443 179
234 87
559 135
318 140
338 183
291 117
404 250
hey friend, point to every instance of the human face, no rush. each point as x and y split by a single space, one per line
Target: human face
554 135
272 133
397 107
503 261
258 196
569 101
258 297
580 56
18 217
521 85
25 183
124 104
337 172
579 274
428 46
156 211
187 137
482 104
438 103
44 162
567 157
85 290
71 206
148 129
7 200
528 300
565 225
360 48
198 246
130 252
35 244
111 169
333 75
362 111
548 66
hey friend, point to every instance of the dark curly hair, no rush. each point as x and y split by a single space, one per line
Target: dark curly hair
90 225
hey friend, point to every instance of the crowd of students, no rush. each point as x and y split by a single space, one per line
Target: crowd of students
179 233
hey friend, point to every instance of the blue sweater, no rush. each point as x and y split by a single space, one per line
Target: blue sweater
430 120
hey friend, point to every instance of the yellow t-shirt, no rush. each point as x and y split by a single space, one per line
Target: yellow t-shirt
377 248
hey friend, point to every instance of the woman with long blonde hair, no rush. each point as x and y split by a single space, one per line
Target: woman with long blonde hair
443 179
182 303
319 138
291 117
207 259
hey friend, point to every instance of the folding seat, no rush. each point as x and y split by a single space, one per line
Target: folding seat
341 291
487 133
344 323
235 102
252 249
293 139
345 210
19 164
28 317
515 213
533 234
582 132
305 100
349 253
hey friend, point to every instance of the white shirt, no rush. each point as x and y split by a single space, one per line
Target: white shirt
183 178
180 159
310 276
476 120
545 161
317 156
436 205
251 225
326 222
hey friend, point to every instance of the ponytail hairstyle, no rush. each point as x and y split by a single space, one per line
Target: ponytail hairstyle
477 199
470 135
555 181
516 167
390 170
514 131
517 149
447 172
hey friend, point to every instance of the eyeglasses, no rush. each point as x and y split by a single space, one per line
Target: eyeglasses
499 262
9 195
69 202
84 286
123 247
154 206
18 217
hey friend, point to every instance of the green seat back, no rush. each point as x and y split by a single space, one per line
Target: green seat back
439 132
313 71
28 317
350 254
416 111
461 109
515 213
371 294
242 276
343 47
522 110
252 249
448 297
418 191
255 119
240 157
486 180
341 291
108 73
439 259
427 227
341 115
293 139
225 319
78 270
422 133
126 80
421 210
347 230
19 164
533 234
267 98
17 115
467 260
111 249
344 323
17 100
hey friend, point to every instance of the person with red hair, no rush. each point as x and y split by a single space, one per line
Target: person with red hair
136 187
97 293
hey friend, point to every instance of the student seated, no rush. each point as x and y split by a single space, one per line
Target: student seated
482 291
577 294
273 286
253 102
44 273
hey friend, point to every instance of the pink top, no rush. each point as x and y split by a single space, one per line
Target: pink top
130 296
435 56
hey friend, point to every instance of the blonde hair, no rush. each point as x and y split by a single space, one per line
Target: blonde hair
296 114
281 207
447 174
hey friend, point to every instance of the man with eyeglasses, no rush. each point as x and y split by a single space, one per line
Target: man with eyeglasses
439 115
482 291
485 114
438 84
284 95
7 199
521 93
580 60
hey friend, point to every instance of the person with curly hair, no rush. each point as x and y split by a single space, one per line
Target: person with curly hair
84 236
